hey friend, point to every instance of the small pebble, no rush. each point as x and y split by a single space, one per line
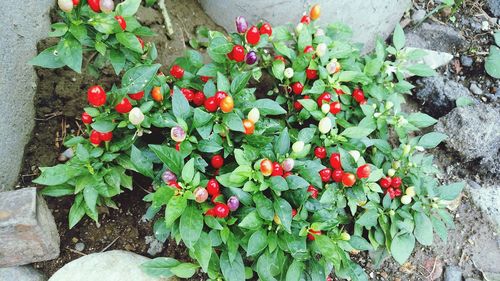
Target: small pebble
485 26
475 89
466 61
453 273
79 247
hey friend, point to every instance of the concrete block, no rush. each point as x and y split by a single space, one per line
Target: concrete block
28 232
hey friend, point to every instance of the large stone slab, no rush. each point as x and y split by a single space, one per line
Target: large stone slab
28 232
21 27
114 265
21 273
367 18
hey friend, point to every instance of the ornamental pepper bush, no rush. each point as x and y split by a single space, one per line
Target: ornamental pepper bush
284 182
110 36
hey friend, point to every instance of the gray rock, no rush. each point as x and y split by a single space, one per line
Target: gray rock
418 15
453 273
367 18
487 198
27 228
155 246
491 276
474 88
435 37
439 94
17 47
466 61
21 273
473 133
79 246
107 266
494 6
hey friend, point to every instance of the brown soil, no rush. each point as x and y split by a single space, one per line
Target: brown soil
59 101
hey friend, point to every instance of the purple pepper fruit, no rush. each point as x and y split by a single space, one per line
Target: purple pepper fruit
251 57
241 24
233 203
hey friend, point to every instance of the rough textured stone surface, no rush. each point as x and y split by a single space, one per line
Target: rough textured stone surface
473 133
435 37
28 232
434 59
21 273
367 18
494 6
487 198
453 273
108 266
438 94
17 79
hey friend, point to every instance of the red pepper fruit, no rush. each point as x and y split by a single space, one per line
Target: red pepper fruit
335 107
86 118
178 146
140 41
297 105
396 182
213 187
211 104
320 152
219 96
199 98
314 192
294 213
297 88
266 167
217 161
205 78
358 95
348 179
94 5
305 19
397 192
324 97
96 96
95 138
137 96
177 71
335 161
308 49
337 175
363 171
188 94
390 190
76 2
174 184
106 136
325 174
286 174
311 74
266 29
385 182
277 169
238 53
281 58
339 91
221 210
121 21
253 35
124 106
312 233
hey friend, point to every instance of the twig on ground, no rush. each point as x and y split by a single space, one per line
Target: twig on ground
75 251
49 116
166 17
110 244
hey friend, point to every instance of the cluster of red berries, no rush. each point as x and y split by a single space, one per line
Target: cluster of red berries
359 96
97 137
391 186
197 98
219 210
220 100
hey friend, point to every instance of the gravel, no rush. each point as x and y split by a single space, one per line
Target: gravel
466 61
453 273
80 246
475 89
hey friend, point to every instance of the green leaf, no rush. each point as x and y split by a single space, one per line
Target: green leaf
209 146
90 195
282 144
317 88
60 28
184 270
137 78
130 41
268 107
421 69
128 8
175 207
76 212
402 247
421 120
201 118
264 206
398 39
235 270
257 242
203 251
58 190
368 218
160 267
432 139
103 126
423 229
49 58
360 243
439 228
284 212
71 53
169 156
278 183
117 60
296 182
251 221
222 82
188 171
278 69
240 82
357 132
492 62
191 225
295 271
451 191
56 175
180 105
141 163
233 122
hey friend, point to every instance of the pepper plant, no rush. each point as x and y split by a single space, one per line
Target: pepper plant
107 35
283 180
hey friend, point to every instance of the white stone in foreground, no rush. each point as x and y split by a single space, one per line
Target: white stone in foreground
108 266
